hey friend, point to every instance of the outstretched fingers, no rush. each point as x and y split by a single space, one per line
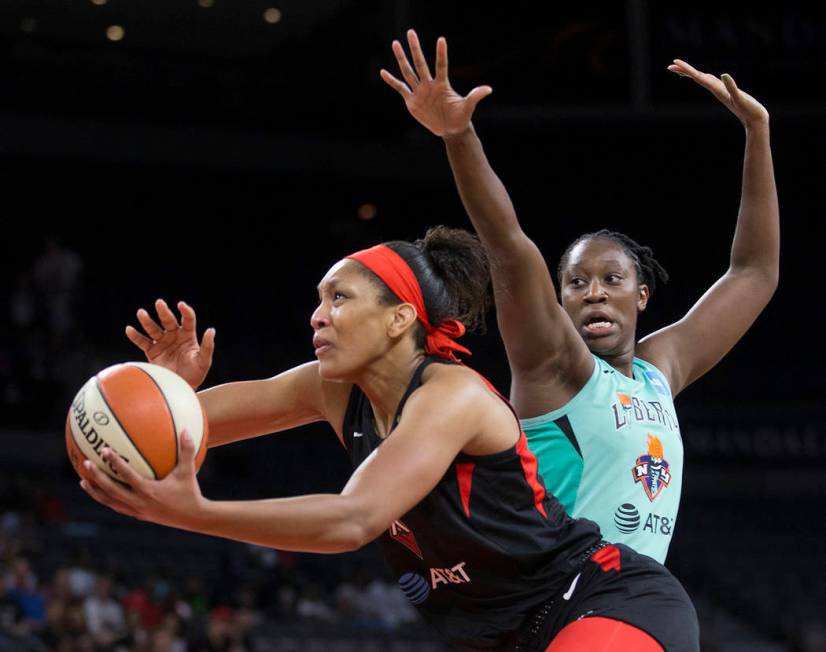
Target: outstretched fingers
395 84
138 339
711 83
418 56
167 317
731 86
189 321
441 59
153 330
208 346
404 65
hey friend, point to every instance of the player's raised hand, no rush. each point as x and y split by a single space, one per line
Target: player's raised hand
748 110
432 101
173 344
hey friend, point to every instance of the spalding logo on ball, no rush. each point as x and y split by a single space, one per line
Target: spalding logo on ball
139 411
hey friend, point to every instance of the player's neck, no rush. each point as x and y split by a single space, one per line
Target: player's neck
621 361
385 383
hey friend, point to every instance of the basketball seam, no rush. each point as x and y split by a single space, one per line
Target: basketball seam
168 409
125 432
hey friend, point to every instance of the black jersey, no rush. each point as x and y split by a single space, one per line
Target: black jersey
486 547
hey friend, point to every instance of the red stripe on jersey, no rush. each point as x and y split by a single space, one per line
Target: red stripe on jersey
529 466
526 457
464 475
608 558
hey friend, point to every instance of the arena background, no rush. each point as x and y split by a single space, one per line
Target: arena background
228 153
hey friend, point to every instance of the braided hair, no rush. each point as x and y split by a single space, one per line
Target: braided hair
649 269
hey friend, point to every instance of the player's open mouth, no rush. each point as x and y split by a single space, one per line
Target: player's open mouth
599 325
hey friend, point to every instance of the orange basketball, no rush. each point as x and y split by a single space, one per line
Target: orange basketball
138 410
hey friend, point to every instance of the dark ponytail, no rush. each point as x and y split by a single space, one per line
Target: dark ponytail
453 273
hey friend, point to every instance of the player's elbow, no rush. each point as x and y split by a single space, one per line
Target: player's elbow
768 276
358 525
349 538
773 278
762 281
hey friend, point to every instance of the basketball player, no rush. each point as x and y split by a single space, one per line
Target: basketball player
443 476
596 405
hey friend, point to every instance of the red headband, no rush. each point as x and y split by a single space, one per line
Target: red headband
397 275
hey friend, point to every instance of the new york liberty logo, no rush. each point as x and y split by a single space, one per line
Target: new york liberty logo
652 469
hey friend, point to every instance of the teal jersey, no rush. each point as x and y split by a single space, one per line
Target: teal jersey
613 454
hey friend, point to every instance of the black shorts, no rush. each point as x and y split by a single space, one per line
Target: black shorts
642 593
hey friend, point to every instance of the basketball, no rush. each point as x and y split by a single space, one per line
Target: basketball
139 411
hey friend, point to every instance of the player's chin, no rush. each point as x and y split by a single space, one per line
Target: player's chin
327 370
332 369
608 344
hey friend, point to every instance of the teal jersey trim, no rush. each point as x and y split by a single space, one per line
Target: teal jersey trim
561 460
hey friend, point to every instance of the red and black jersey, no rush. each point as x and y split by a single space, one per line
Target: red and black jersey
486 547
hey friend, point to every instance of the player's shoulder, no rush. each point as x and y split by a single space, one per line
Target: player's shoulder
451 374
455 382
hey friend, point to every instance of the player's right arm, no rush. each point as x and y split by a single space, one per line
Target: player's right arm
549 360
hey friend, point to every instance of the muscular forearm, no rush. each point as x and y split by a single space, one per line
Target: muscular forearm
316 523
756 245
484 196
241 410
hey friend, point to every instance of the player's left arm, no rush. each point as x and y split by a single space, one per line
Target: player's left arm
686 350
439 420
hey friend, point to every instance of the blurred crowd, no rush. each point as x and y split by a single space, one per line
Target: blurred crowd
64 597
